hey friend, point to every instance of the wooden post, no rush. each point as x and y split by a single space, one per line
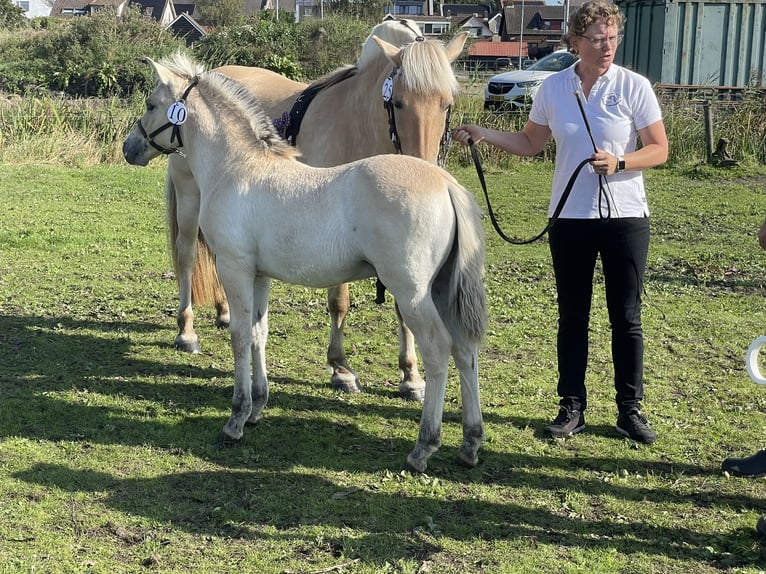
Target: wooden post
708 118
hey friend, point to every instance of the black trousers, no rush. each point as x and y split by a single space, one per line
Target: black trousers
623 244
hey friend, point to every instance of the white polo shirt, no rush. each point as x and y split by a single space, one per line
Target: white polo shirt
620 103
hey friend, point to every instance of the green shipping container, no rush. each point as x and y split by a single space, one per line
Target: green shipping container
706 43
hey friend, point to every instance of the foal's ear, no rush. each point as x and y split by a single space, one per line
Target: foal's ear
160 71
392 53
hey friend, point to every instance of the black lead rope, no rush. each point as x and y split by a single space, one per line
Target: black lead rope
551 220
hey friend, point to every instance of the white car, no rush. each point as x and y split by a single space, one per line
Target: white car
514 90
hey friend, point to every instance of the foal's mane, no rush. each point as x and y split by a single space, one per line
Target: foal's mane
242 102
425 67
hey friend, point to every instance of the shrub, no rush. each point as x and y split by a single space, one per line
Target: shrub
94 56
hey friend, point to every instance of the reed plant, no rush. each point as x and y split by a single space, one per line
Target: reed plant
53 128
61 130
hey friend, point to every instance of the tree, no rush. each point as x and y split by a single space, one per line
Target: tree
11 15
218 13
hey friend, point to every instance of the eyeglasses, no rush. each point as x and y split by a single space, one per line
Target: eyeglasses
599 43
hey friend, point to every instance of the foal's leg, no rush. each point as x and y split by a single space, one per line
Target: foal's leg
239 288
466 356
343 377
435 343
412 386
260 332
184 244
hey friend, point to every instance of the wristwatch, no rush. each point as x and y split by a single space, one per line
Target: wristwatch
620 163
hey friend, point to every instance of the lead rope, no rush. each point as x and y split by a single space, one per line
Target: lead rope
551 220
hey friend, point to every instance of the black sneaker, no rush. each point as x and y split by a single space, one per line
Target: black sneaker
567 423
635 426
754 465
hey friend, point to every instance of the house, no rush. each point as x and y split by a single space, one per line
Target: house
488 55
34 8
435 20
186 27
71 8
429 25
180 19
536 24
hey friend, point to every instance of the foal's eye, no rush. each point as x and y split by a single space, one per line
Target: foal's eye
398 105
150 106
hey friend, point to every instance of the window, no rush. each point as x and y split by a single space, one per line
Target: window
435 29
23 4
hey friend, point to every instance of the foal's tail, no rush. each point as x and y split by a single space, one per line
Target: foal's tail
206 286
465 267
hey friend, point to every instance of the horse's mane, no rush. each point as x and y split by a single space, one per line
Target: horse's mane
396 32
238 97
426 69
334 77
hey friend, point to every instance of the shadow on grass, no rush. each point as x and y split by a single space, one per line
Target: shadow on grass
240 503
259 485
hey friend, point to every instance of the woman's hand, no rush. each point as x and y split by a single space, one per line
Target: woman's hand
468 132
604 163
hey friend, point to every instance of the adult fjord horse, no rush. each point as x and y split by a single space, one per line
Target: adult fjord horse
266 216
345 121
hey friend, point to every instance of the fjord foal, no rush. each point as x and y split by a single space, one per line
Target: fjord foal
266 216
345 121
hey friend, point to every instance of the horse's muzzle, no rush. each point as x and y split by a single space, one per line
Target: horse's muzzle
134 150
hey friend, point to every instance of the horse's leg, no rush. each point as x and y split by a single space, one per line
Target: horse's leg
222 316
239 288
412 386
343 377
466 356
260 392
183 219
435 343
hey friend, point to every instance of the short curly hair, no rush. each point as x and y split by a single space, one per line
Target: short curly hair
588 13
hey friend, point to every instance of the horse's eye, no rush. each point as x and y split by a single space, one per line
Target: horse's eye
398 105
150 106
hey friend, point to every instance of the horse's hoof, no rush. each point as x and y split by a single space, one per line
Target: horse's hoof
416 395
222 323
344 380
188 346
467 460
225 440
414 467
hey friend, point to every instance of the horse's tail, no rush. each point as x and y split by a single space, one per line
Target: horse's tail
465 266
206 286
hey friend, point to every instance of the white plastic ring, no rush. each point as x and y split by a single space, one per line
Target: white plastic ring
751 361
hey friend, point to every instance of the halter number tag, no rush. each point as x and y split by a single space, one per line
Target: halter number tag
177 113
388 89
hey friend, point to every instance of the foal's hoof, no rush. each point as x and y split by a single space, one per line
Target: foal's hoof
468 460
222 323
414 466
225 440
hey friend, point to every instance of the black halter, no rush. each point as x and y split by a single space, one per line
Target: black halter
175 133
388 104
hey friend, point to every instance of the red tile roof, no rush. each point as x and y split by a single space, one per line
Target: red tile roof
497 49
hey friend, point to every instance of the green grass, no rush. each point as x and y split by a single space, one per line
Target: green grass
108 460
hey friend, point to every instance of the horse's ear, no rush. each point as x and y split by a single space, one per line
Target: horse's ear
455 46
160 71
392 53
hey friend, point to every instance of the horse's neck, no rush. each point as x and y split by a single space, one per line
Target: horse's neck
219 148
347 121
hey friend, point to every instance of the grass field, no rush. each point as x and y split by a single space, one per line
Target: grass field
108 459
